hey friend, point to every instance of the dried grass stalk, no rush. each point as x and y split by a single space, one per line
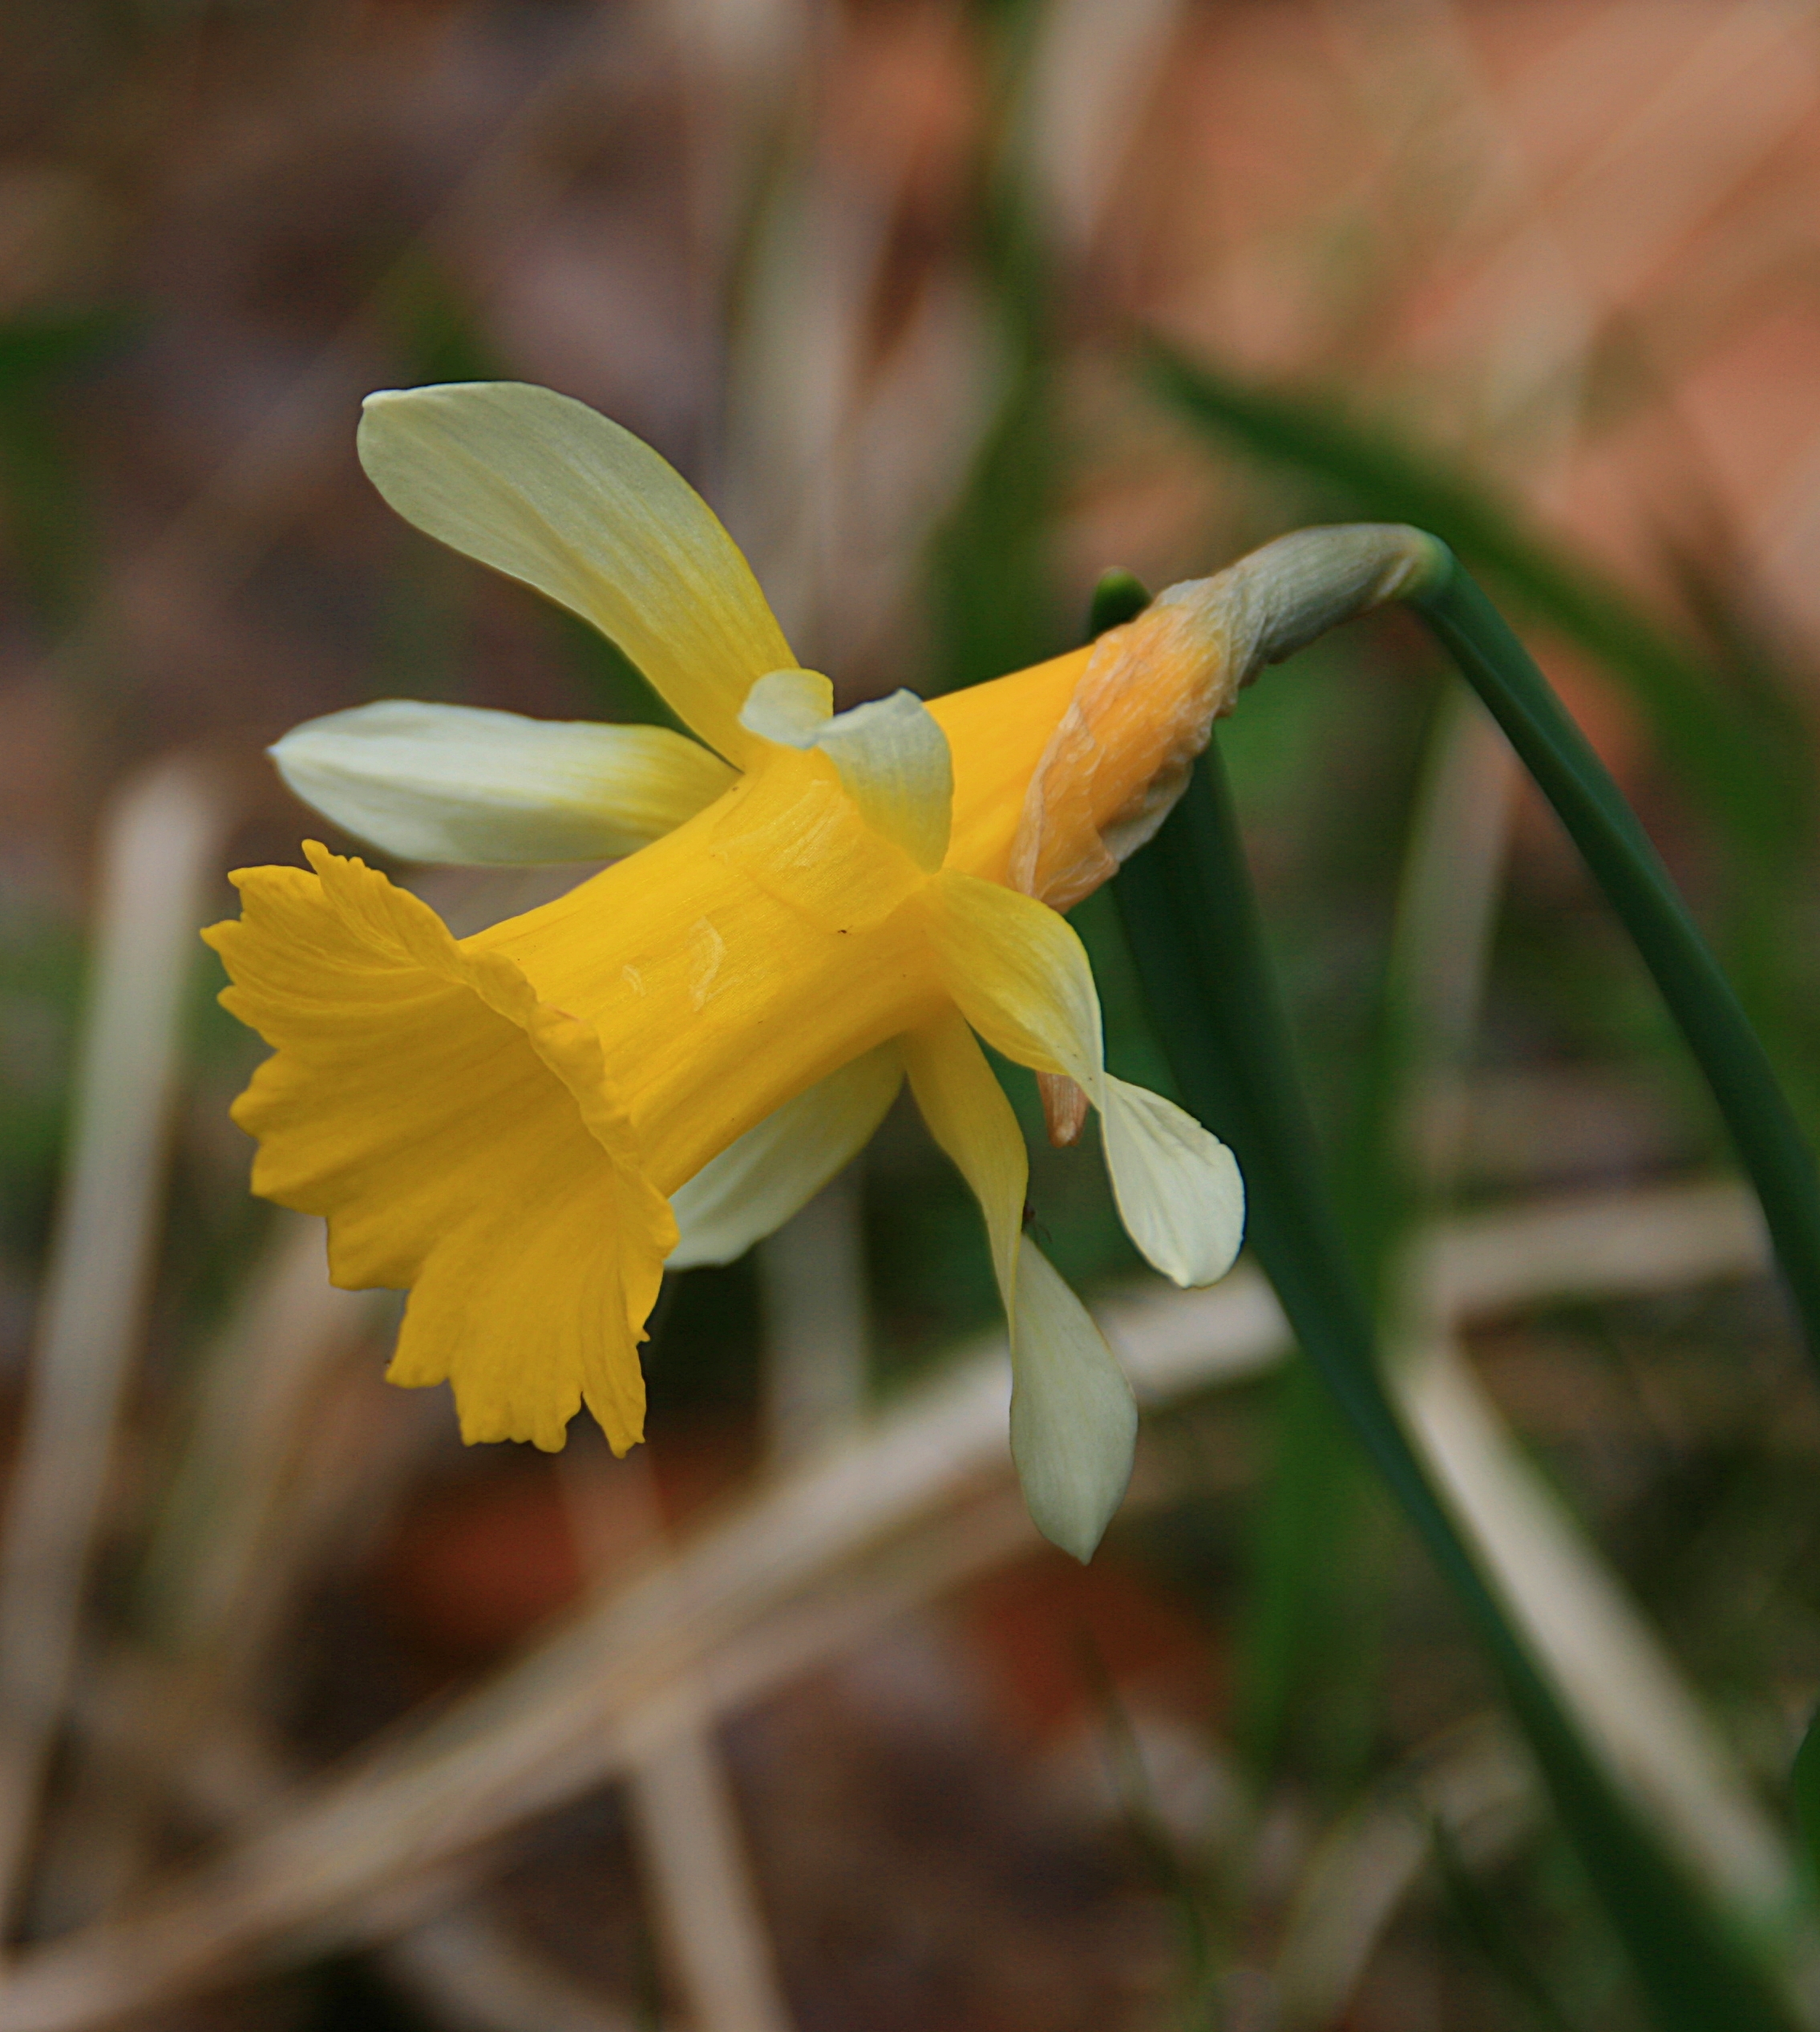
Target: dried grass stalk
357 1853
160 842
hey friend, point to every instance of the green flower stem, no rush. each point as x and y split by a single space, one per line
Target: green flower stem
1192 922
1629 869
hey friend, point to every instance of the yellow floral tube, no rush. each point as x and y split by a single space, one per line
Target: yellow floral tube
509 1126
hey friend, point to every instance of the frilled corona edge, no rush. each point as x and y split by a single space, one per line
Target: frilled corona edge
464 1140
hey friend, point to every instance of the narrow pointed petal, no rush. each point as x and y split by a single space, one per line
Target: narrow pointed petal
1073 1420
521 1221
757 1183
1177 1187
968 1115
541 488
461 784
1020 977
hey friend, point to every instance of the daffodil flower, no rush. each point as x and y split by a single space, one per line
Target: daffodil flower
804 907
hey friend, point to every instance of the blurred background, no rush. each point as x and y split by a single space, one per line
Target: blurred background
316 1719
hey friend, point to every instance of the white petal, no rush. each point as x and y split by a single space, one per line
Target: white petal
1178 1186
459 784
893 758
788 707
542 488
1073 1420
758 1183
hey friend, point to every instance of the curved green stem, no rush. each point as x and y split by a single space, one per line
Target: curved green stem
1192 922
1628 868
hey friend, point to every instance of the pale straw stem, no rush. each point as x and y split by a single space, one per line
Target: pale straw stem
1093 76
285 1445
691 1847
685 1818
1616 1678
160 845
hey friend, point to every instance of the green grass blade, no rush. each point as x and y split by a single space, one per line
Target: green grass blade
1753 788
1628 868
1301 1604
1192 921
1805 1781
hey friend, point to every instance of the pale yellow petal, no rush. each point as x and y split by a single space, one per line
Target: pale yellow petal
1073 1420
1020 977
788 707
757 1182
893 758
968 1115
892 755
1177 1187
461 1139
462 784
541 488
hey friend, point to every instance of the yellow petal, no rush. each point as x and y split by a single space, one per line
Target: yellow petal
461 1137
544 489
459 784
967 1114
1020 977
757 1182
